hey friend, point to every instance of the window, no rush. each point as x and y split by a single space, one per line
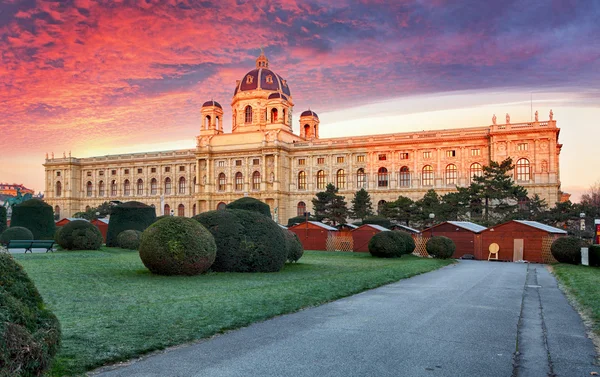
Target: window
182 185
522 146
238 162
194 185
89 174
427 154
101 172
382 177
404 177
427 176
380 206
101 188
302 180
249 79
320 179
126 188
382 157
222 182
239 181
58 174
523 170
476 170
57 211
182 168
321 160
139 171
89 188
181 210
256 161
476 152
167 210
248 118
113 172
340 160
153 186
168 186
451 153
361 178
451 175
301 161
221 206
126 171
256 181
360 158
168 169
269 79
140 187
273 115
194 210
221 164
340 179
404 156
152 170
113 188
300 209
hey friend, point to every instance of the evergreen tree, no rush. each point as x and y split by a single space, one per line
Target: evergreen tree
402 210
103 210
362 206
429 203
328 205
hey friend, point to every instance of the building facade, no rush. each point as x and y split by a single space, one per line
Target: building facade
263 158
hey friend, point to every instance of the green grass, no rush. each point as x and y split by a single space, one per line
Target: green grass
583 283
111 308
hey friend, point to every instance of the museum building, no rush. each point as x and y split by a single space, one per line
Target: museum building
263 158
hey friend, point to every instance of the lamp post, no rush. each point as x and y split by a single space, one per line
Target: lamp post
581 224
431 217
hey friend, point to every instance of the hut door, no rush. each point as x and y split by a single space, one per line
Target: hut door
518 250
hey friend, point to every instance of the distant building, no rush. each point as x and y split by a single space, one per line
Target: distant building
7 189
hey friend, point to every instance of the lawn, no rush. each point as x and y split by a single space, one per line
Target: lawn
111 308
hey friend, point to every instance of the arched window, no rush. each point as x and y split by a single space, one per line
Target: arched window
182 185
87 208
340 179
58 189
300 209
321 179
194 210
181 210
404 177
523 170
221 206
476 170
283 115
194 186
113 188
101 188
218 123
302 180
451 175
167 186
273 115
382 177
380 206
306 130
126 188
207 122
239 181
57 212
361 178
153 186
222 182
88 187
256 181
427 176
140 187
167 209
248 114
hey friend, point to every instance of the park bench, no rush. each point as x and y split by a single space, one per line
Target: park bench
28 245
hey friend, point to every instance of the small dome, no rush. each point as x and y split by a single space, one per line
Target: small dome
277 95
309 113
212 103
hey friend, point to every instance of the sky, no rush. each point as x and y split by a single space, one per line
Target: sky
98 77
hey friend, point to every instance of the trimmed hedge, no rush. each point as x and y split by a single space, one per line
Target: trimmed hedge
177 246
407 241
246 241
29 333
594 255
2 219
378 220
440 247
129 215
79 235
299 219
251 204
36 216
129 239
15 233
386 245
567 250
294 247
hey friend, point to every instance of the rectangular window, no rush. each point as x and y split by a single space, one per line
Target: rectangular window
321 160
139 171
126 171
238 162
340 160
522 146
256 161
113 172
427 154
382 157
89 173
153 170
476 152
182 168
58 174
221 164
101 172
301 161
360 158
167 169
404 156
451 153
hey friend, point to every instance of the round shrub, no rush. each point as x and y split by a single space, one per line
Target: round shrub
567 250
407 241
294 247
30 333
129 239
378 220
246 241
440 247
15 233
79 235
129 215
386 245
251 204
2 219
36 216
177 246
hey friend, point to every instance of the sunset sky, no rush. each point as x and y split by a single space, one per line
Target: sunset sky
104 77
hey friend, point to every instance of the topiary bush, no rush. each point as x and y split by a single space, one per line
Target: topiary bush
15 233
407 241
294 247
2 219
36 216
177 246
246 241
378 220
79 235
567 250
29 333
440 247
386 245
251 204
594 255
129 215
129 239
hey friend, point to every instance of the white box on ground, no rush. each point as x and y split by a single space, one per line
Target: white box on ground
585 256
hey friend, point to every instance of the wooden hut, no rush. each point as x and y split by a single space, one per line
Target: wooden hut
466 236
66 220
102 225
363 234
519 240
312 234
405 228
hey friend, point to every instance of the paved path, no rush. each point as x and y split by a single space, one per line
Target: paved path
462 320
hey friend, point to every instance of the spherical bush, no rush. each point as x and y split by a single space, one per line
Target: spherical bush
30 333
407 241
15 233
129 239
129 215
177 246
567 250
386 245
440 247
251 204
37 216
79 235
294 247
246 241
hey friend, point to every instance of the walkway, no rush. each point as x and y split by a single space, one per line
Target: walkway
462 320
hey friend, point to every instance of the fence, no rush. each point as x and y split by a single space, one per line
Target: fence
339 242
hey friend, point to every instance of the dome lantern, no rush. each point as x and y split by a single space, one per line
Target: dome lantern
262 61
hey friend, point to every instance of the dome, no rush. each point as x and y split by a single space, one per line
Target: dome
262 78
277 95
212 103
309 113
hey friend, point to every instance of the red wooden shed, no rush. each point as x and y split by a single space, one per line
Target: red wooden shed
102 225
66 220
466 236
519 240
312 234
363 234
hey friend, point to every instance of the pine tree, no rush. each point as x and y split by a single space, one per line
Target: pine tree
328 205
362 206
402 210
